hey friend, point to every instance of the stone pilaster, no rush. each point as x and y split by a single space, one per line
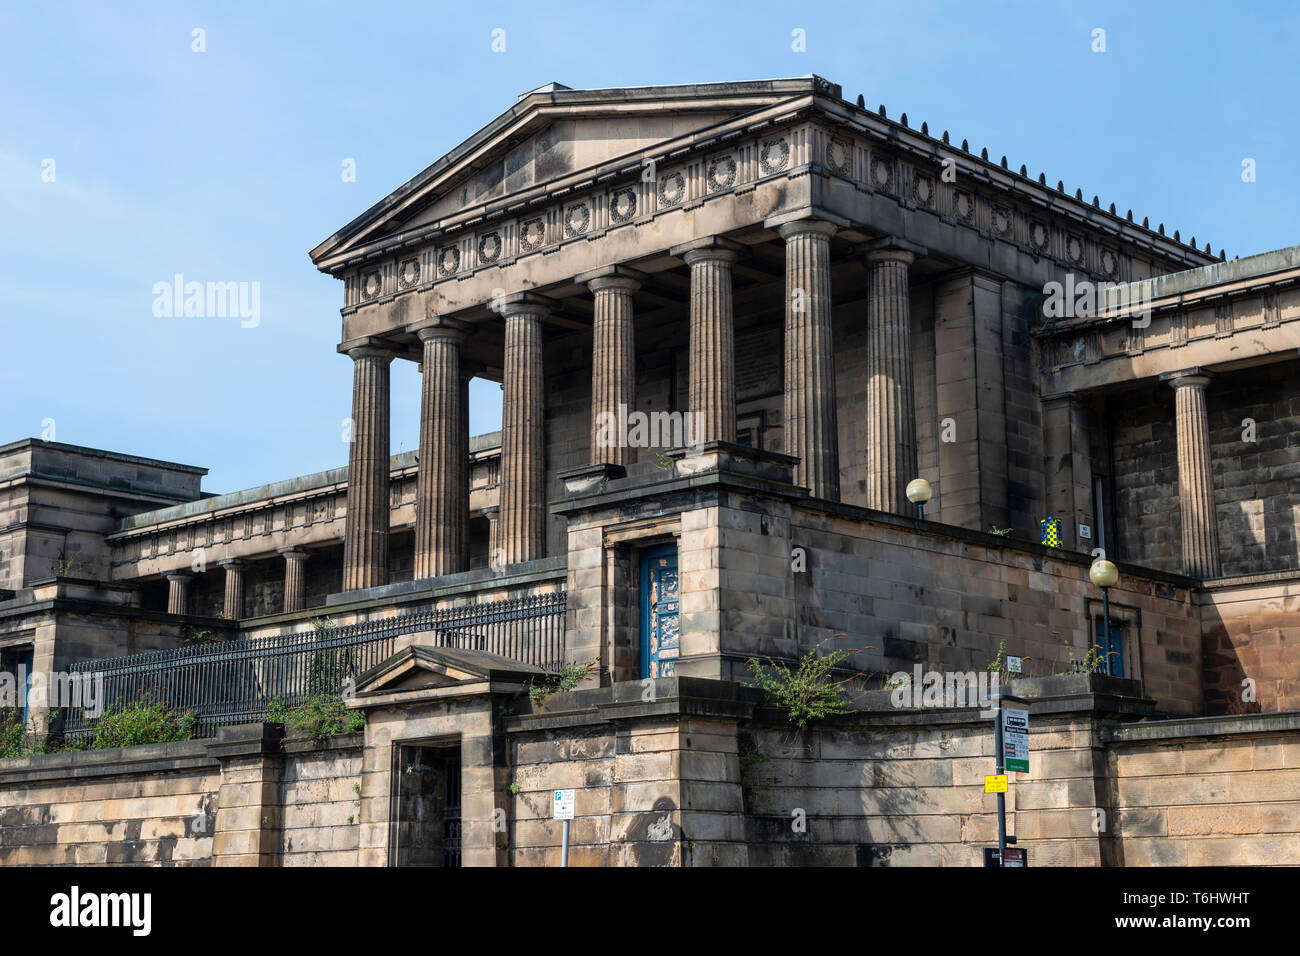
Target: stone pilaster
442 501
178 592
712 351
810 426
1067 468
522 535
613 364
295 570
891 413
1195 479
233 605
249 812
365 542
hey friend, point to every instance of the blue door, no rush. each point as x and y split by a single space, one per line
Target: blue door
660 632
1111 648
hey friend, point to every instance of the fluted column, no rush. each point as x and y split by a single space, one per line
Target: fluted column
295 571
523 452
233 605
178 592
613 367
712 349
441 503
891 417
365 543
810 426
1195 479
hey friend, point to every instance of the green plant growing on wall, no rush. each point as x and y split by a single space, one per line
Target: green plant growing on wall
1000 532
64 564
999 663
147 720
199 635
1092 662
514 789
809 692
565 680
320 716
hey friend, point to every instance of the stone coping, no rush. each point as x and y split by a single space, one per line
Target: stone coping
1190 728
86 452
176 756
449 585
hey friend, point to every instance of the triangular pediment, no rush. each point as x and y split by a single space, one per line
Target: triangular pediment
421 667
550 134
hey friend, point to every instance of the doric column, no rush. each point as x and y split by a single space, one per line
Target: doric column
712 350
233 605
613 363
365 544
811 430
441 502
1195 478
891 417
523 451
295 569
178 592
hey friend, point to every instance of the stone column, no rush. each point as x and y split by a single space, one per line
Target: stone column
233 605
295 570
613 364
1195 478
891 413
523 450
713 370
365 543
441 502
810 426
178 591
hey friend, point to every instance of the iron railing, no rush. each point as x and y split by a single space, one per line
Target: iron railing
232 682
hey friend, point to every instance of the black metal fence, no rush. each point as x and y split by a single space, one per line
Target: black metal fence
232 682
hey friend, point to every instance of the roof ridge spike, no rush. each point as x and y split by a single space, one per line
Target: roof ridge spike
1161 230
1192 242
1078 194
1222 257
1176 239
1146 223
1096 201
1112 209
1042 179
984 153
965 146
903 119
1024 170
1129 215
882 111
862 103
925 128
945 136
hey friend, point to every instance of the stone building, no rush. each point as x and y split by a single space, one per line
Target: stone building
732 322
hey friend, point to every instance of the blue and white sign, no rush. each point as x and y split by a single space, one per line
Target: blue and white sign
562 805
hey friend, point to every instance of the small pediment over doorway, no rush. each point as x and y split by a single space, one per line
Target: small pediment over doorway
420 668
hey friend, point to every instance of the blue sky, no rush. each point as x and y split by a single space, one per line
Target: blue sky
225 166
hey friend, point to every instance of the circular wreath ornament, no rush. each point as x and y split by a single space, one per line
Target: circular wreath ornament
880 173
1037 235
448 261
622 205
371 285
532 233
923 190
672 189
773 155
722 174
964 207
489 247
1108 262
410 273
577 219
1001 221
1074 249
837 156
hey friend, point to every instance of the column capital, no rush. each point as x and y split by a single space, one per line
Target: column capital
707 248
233 564
294 554
1195 377
612 277
891 249
179 576
809 226
526 303
440 327
369 346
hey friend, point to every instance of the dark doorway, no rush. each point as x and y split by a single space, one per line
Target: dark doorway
428 806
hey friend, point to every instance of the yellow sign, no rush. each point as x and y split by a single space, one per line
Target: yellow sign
995 784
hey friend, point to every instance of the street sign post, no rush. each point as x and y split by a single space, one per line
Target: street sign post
562 809
1011 750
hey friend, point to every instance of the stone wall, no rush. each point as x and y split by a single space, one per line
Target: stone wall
246 797
1249 632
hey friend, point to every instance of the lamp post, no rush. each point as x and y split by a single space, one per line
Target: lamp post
1104 574
919 492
